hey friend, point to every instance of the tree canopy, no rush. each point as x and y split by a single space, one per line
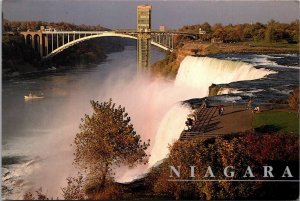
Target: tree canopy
16 26
271 32
254 150
107 139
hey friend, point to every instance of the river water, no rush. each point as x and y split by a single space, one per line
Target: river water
37 134
23 119
44 128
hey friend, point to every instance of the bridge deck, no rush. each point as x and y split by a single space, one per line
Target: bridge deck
210 124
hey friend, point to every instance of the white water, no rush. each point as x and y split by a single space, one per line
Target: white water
201 72
196 74
169 131
153 107
226 90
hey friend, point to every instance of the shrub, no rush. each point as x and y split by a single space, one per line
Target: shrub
294 99
251 150
74 190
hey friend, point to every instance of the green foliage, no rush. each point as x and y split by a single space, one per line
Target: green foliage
271 32
275 32
107 139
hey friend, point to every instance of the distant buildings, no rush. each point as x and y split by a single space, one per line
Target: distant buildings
162 28
47 28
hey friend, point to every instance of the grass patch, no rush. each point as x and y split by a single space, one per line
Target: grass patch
273 121
212 49
275 45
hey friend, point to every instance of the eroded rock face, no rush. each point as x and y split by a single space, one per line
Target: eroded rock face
169 66
213 90
191 48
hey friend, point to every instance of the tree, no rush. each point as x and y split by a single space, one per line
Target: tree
218 31
275 32
206 27
74 190
239 151
39 195
107 139
203 153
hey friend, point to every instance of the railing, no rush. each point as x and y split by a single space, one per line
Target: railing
129 31
263 106
196 135
186 135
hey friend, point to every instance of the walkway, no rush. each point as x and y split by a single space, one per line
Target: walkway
210 124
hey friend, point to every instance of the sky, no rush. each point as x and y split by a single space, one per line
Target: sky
173 14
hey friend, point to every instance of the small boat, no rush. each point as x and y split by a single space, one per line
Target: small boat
31 97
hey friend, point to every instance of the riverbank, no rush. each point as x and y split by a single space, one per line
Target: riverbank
34 72
169 66
27 70
196 47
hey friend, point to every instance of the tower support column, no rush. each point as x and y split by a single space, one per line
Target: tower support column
143 51
144 36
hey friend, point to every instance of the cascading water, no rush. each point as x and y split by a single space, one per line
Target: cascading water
169 131
154 105
196 74
201 72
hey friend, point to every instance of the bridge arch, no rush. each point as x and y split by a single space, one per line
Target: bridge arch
36 40
105 34
28 39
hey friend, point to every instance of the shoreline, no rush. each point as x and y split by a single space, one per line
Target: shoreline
206 49
46 71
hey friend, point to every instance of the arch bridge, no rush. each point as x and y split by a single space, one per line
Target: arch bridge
50 42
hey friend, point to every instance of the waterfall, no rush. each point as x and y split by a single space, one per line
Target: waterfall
201 72
194 77
154 105
169 131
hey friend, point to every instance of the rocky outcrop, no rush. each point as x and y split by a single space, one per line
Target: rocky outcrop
213 90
